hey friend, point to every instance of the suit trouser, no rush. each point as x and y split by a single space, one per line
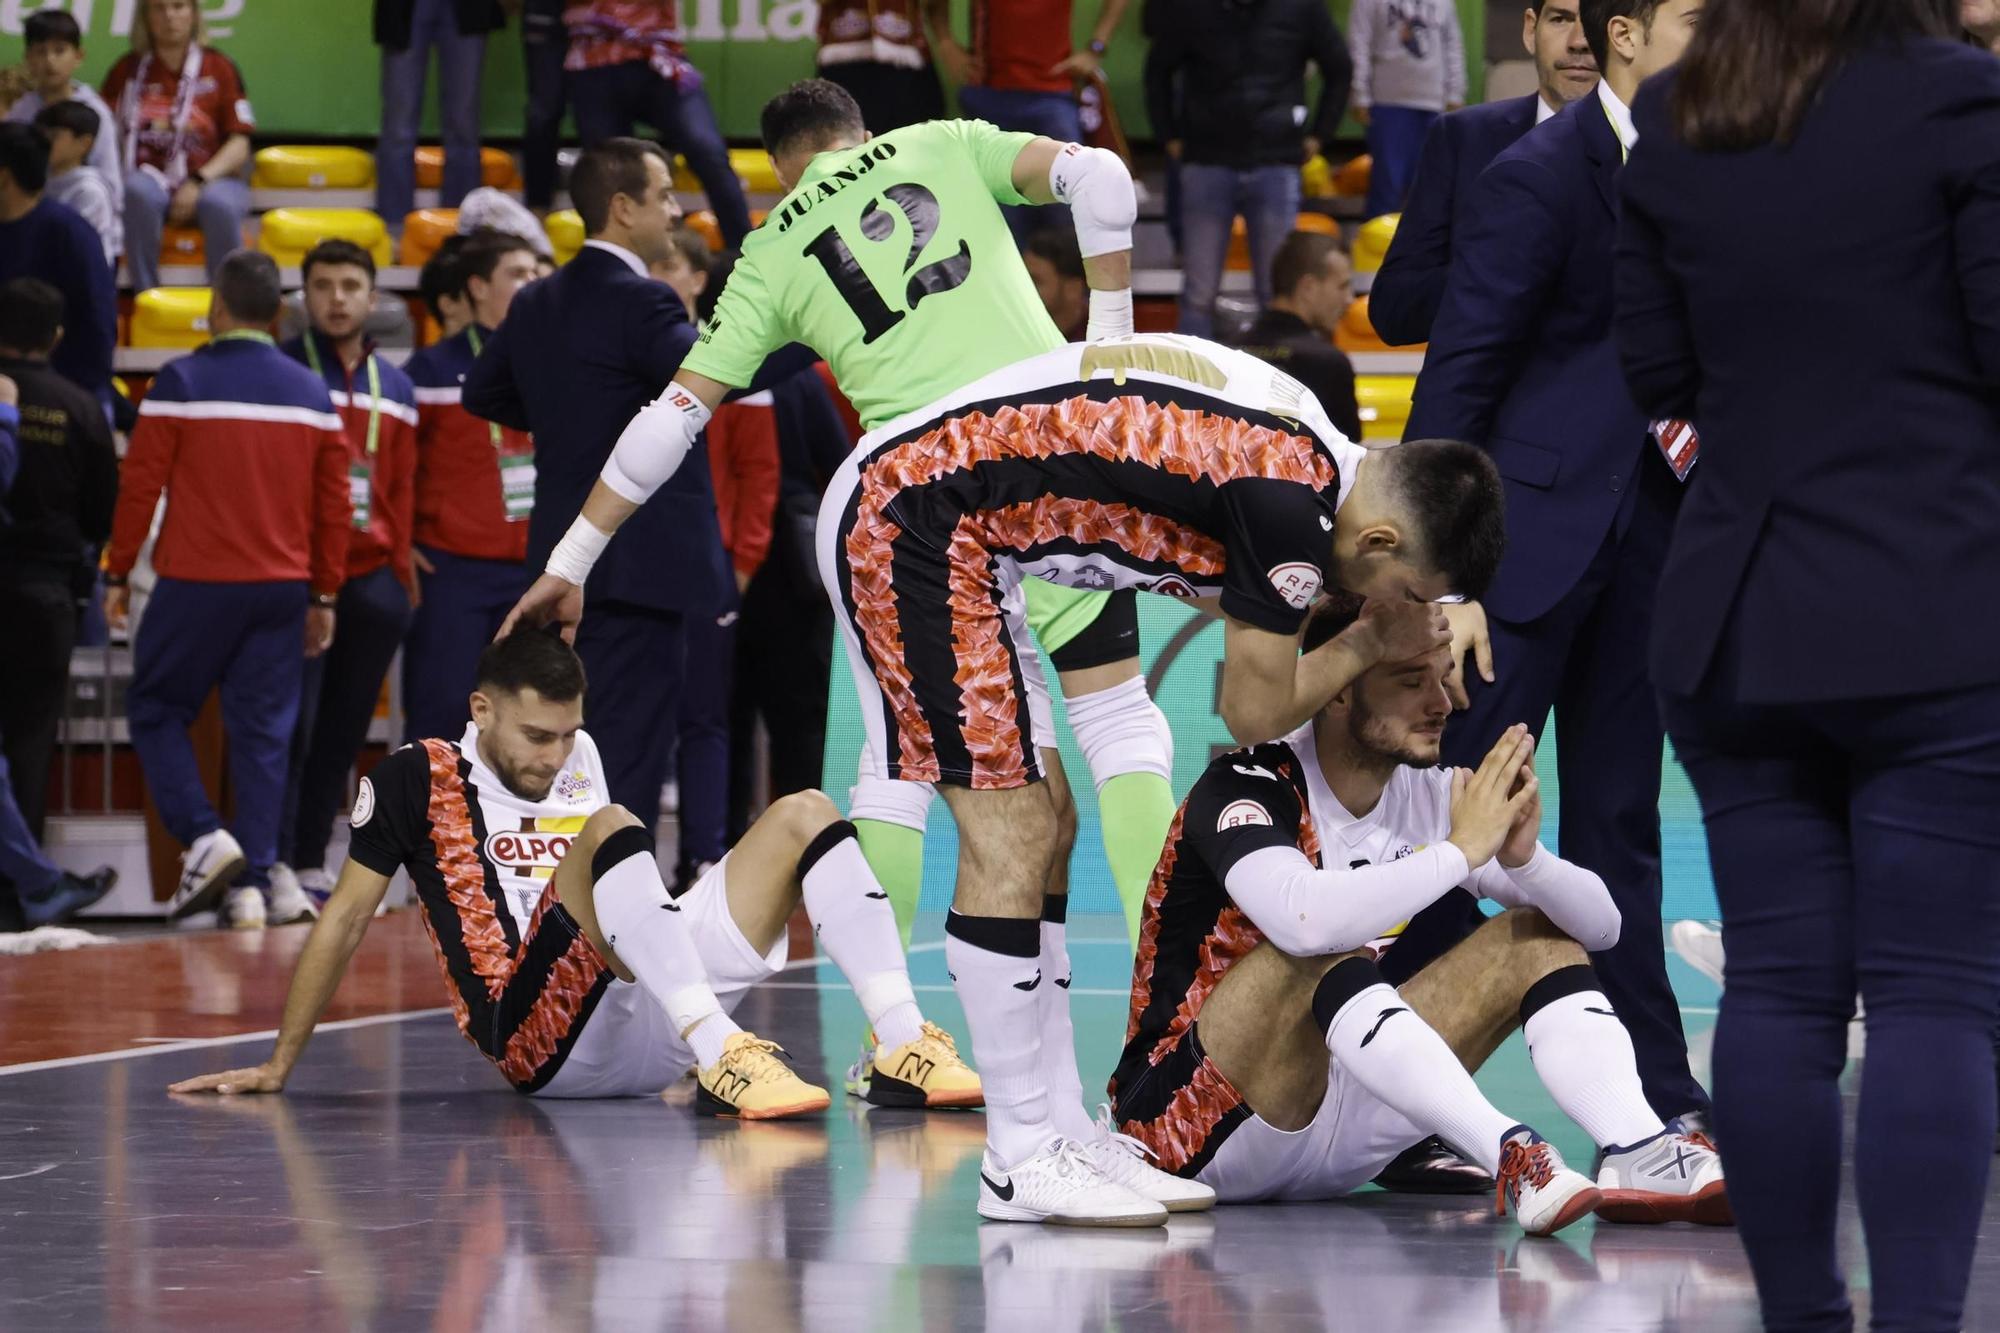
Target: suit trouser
784 656
464 602
1586 661
39 611
636 659
702 757
1856 849
342 686
249 638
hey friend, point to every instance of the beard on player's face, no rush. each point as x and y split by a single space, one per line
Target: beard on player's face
1407 736
526 740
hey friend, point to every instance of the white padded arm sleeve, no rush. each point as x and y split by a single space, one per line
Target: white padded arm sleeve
1572 897
654 444
1097 186
1308 912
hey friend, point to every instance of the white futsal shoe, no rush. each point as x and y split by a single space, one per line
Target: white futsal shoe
1544 1195
1060 1185
1122 1160
209 866
1672 1177
287 902
243 909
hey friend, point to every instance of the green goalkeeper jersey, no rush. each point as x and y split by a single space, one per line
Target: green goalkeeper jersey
893 261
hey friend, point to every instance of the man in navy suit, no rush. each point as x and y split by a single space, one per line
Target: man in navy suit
1403 303
578 355
1522 362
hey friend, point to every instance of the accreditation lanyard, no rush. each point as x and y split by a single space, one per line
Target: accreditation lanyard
517 471
360 489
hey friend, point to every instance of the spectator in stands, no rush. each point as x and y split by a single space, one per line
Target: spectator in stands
441 287
58 512
544 46
184 125
55 52
378 408
407 31
876 50
1409 69
73 128
1056 264
1224 86
250 559
40 238
1982 22
1311 288
490 209
626 64
475 490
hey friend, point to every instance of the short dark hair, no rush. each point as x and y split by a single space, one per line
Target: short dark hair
247 285
1057 247
1596 16
1302 255
30 315
443 274
692 247
336 250
532 659
485 248
1451 491
24 155
72 115
808 114
51 25
607 169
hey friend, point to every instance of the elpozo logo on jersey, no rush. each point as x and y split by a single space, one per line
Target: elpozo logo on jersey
1296 582
535 852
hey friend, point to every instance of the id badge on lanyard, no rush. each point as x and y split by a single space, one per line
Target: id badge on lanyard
360 471
517 471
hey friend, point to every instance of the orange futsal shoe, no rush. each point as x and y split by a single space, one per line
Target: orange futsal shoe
752 1082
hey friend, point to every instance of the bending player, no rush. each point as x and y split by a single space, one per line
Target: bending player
569 966
1290 870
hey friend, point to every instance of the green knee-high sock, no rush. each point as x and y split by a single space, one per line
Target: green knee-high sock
1134 810
896 855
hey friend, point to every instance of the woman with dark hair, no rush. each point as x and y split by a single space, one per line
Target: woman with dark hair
1809 273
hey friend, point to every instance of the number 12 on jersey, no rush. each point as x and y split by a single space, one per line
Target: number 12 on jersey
920 207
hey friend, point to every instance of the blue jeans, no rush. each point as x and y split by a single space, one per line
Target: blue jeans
21 861
248 638
610 100
1212 197
1395 141
1052 114
220 213
459 59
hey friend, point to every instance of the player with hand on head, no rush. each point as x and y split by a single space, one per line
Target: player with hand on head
569 965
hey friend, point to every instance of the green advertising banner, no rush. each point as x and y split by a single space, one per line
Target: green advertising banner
1182 651
312 70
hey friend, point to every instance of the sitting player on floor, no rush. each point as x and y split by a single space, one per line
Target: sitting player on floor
569 965
1288 873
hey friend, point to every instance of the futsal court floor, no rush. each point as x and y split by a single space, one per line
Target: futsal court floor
398 1184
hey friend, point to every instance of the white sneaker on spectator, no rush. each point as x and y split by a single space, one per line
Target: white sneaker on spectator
243 909
317 886
208 867
287 901
1700 946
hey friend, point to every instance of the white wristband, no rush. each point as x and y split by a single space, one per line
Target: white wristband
1110 314
578 550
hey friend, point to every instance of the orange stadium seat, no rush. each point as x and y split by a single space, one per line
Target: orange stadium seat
1353 177
287 233
565 231
703 224
170 317
312 167
1371 243
496 168
1356 331
182 245
1385 405
423 232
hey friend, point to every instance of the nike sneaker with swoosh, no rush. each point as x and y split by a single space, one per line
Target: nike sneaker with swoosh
1060 1185
1122 1159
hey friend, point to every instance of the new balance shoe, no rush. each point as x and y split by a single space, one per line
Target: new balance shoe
1675 1176
1544 1195
1122 1160
243 909
752 1082
287 902
927 1072
1060 1185
208 867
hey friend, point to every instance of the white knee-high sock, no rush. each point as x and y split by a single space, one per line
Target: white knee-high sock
1066 1105
855 924
645 928
995 962
1392 1052
1583 1056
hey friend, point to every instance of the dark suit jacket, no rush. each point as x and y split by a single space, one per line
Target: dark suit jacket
1295 347
1829 315
393 20
1403 302
1522 363
579 353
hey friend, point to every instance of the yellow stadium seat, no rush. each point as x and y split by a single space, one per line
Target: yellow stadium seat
423 232
1356 331
753 167
170 317
287 233
496 168
565 231
312 167
1372 242
1352 179
1385 405
1316 179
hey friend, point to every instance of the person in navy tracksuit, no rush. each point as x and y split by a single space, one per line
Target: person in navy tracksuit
1521 362
1824 645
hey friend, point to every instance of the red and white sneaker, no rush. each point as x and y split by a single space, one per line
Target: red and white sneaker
1674 1176
1544 1195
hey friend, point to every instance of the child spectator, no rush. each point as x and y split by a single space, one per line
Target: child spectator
73 130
